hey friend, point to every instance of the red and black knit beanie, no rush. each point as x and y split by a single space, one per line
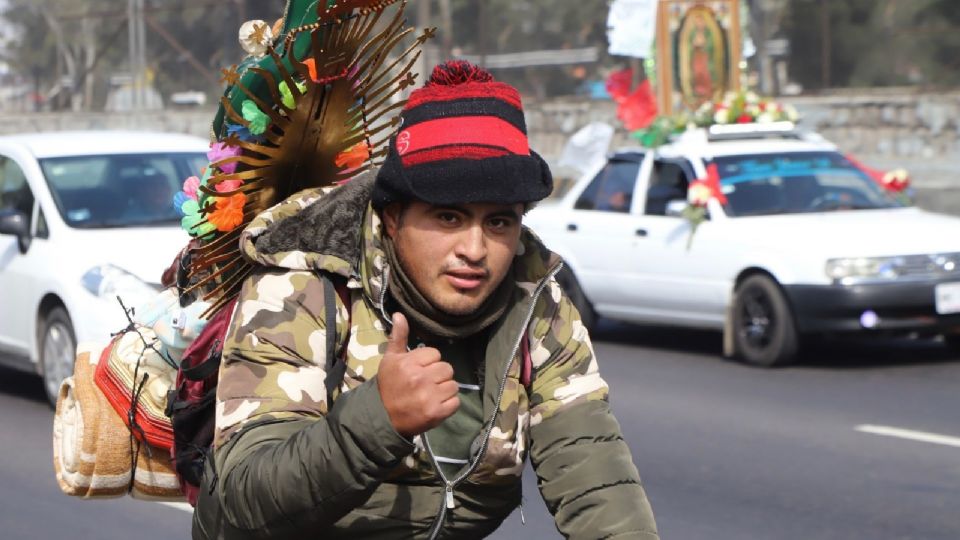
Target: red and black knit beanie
463 140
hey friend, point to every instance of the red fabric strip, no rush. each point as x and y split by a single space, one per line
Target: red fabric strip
452 152
463 130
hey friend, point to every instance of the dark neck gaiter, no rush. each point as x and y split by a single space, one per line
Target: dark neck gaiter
435 322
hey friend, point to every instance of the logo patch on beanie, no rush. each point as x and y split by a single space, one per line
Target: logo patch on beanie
403 142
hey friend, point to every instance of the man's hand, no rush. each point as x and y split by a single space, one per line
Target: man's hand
417 388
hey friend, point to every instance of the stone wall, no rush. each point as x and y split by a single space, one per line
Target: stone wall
883 128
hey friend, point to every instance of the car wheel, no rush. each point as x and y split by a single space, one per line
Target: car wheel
764 332
58 349
571 286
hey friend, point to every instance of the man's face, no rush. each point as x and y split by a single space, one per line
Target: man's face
456 256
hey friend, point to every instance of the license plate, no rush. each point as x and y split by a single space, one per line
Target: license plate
947 298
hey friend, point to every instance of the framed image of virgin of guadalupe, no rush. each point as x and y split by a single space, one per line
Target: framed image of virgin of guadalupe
698 52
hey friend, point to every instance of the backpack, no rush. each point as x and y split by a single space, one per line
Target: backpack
191 404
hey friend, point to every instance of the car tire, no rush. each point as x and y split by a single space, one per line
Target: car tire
764 331
568 282
58 350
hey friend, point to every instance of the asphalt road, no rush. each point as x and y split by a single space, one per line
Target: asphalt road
725 451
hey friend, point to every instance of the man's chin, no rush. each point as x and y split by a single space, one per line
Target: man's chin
459 304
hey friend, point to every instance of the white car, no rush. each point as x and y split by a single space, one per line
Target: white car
806 244
84 217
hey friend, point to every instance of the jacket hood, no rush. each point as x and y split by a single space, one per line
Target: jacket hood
335 229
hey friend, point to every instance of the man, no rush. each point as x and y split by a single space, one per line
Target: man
463 356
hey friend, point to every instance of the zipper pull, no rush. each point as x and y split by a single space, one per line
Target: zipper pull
523 520
450 502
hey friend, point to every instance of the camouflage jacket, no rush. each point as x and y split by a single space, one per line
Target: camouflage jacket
287 467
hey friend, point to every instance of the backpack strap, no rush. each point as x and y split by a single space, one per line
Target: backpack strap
335 370
526 368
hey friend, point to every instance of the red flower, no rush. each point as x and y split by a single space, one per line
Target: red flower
702 190
229 212
312 69
744 119
639 109
619 83
353 157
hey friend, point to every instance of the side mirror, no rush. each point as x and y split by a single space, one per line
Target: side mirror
17 224
676 207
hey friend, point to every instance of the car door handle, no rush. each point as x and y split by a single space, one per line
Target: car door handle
572 227
642 232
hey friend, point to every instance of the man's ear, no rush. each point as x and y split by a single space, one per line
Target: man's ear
391 218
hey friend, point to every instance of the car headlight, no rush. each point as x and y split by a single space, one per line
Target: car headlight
108 282
864 267
883 268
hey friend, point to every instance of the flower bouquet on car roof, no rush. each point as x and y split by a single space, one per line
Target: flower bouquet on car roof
735 108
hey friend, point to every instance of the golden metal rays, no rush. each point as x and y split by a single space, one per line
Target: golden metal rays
344 93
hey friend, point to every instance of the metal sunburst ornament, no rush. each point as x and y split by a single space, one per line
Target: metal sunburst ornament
330 116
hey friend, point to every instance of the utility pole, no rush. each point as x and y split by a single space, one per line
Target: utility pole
137 54
825 45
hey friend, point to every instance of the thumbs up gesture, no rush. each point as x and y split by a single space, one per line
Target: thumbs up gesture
416 387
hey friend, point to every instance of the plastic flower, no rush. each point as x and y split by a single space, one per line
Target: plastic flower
190 186
286 96
722 116
220 151
353 157
229 212
312 69
179 198
765 118
258 120
227 186
243 133
256 37
193 221
791 112
896 180
699 193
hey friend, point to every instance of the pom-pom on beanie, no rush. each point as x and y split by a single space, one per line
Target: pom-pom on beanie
463 139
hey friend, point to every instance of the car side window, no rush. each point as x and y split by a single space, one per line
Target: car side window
668 182
15 193
612 189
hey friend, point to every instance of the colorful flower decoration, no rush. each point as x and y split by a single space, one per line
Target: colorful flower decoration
256 37
194 222
286 96
228 213
190 187
896 182
258 119
353 157
220 151
735 108
699 194
743 108
312 69
636 107
242 133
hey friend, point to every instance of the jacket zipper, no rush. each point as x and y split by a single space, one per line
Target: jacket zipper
448 501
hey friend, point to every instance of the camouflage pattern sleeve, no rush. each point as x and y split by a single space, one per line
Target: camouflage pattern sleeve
584 468
275 352
287 467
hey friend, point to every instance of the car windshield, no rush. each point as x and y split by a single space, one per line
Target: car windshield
797 182
125 190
